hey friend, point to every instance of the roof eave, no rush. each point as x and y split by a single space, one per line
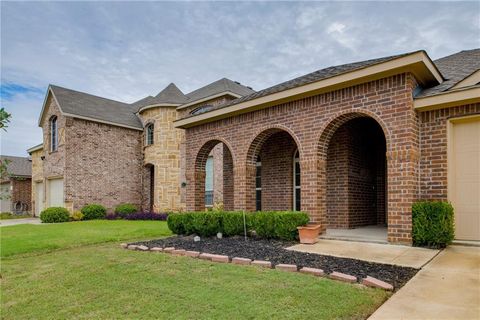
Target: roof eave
448 99
417 63
158 105
35 148
116 124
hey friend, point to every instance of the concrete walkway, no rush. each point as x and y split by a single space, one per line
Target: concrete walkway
381 253
13 222
446 288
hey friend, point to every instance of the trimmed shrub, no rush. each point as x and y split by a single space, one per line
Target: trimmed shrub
263 222
206 224
125 209
432 224
147 216
232 223
77 216
54 215
94 211
286 224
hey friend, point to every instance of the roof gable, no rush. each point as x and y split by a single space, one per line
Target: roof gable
18 166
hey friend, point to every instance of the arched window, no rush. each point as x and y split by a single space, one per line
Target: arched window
296 182
258 185
53 134
149 134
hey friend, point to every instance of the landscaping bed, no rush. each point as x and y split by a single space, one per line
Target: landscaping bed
275 252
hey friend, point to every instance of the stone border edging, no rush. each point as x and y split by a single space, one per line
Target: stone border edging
368 281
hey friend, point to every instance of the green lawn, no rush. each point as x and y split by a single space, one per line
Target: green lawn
27 238
104 281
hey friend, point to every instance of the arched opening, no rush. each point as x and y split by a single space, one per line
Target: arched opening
149 187
273 172
214 176
356 178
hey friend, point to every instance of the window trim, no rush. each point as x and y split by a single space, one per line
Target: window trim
53 133
213 181
147 134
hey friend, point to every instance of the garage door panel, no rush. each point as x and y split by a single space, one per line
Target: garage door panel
39 193
464 187
55 193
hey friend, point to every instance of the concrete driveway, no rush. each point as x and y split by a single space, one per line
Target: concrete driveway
13 222
446 288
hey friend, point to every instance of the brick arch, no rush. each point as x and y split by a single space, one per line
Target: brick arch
227 173
336 121
255 144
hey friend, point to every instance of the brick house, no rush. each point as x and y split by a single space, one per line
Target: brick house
16 185
352 145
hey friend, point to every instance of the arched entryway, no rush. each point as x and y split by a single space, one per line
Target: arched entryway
149 187
355 177
214 176
273 172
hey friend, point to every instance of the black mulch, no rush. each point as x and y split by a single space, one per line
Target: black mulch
274 251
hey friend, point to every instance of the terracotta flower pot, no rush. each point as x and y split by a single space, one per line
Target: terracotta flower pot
309 233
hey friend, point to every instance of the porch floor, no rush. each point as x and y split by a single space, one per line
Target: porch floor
374 252
375 233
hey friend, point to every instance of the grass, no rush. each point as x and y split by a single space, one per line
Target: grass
103 281
9 215
29 238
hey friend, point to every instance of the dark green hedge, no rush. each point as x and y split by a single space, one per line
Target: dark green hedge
275 224
125 209
433 224
54 215
93 211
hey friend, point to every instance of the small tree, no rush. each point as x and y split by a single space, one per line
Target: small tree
4 120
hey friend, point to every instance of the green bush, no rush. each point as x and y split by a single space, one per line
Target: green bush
124 209
432 224
277 225
93 211
54 215
77 216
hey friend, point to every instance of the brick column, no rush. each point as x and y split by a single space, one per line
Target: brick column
402 192
244 187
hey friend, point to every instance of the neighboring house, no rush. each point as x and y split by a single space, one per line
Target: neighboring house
352 145
16 186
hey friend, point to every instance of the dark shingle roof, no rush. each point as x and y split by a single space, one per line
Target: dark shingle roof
454 68
309 78
18 166
217 87
87 105
171 94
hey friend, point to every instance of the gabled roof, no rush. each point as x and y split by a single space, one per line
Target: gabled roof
171 95
454 68
18 166
417 62
86 106
215 89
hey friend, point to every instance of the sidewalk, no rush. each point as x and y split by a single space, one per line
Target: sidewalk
446 288
13 222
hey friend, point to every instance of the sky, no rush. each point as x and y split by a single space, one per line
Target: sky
128 50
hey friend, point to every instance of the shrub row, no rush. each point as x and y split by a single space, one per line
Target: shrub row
432 224
274 224
54 215
141 215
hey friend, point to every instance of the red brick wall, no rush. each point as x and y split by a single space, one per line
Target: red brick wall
104 164
433 148
311 122
22 192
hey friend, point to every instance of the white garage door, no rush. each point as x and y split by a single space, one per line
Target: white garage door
5 201
55 193
464 180
39 196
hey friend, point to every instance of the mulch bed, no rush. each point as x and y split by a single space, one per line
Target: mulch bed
274 251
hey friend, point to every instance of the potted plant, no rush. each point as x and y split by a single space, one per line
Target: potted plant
309 233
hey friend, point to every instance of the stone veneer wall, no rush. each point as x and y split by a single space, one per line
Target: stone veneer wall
164 154
311 122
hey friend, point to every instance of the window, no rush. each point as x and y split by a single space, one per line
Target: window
209 182
53 134
296 182
258 185
149 134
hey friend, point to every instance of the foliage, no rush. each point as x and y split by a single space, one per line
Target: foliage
9 215
77 215
432 224
145 215
274 224
94 211
4 120
125 209
54 215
